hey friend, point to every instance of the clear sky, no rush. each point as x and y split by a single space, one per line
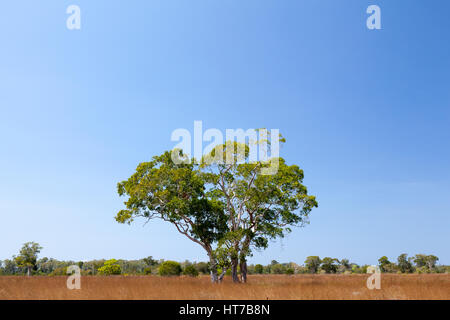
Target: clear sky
365 113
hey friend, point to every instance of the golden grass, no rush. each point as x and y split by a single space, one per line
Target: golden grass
259 287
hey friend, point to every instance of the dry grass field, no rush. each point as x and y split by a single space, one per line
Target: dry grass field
259 287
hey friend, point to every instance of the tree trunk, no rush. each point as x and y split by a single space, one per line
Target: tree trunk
213 268
234 271
224 271
28 271
244 270
243 259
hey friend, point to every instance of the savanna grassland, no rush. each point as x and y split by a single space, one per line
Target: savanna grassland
259 287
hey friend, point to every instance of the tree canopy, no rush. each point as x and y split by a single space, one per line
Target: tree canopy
225 203
27 257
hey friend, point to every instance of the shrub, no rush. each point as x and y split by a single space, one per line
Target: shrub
259 269
61 271
202 267
290 271
190 271
169 268
422 270
148 271
278 269
110 267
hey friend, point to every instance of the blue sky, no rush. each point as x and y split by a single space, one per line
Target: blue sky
365 113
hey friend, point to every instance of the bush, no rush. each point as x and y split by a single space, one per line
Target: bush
277 269
423 269
110 267
148 271
259 269
61 271
202 267
289 271
190 271
169 268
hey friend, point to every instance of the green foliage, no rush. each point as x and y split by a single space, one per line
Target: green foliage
424 261
9 267
264 207
202 267
329 265
344 266
169 268
359 269
312 264
133 266
259 269
190 270
27 257
110 267
364 268
53 267
422 269
277 269
404 263
197 200
387 266
174 193
384 262
150 261
148 271
60 271
290 271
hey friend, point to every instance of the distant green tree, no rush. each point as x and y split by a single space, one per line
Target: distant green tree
404 263
150 261
431 262
27 257
329 265
169 268
364 268
259 269
420 260
190 270
278 268
425 261
384 264
148 271
202 267
344 265
289 271
312 264
60 271
110 267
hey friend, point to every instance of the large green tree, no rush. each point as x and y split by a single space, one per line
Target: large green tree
384 264
175 192
227 204
405 264
427 261
260 203
312 264
27 257
329 265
